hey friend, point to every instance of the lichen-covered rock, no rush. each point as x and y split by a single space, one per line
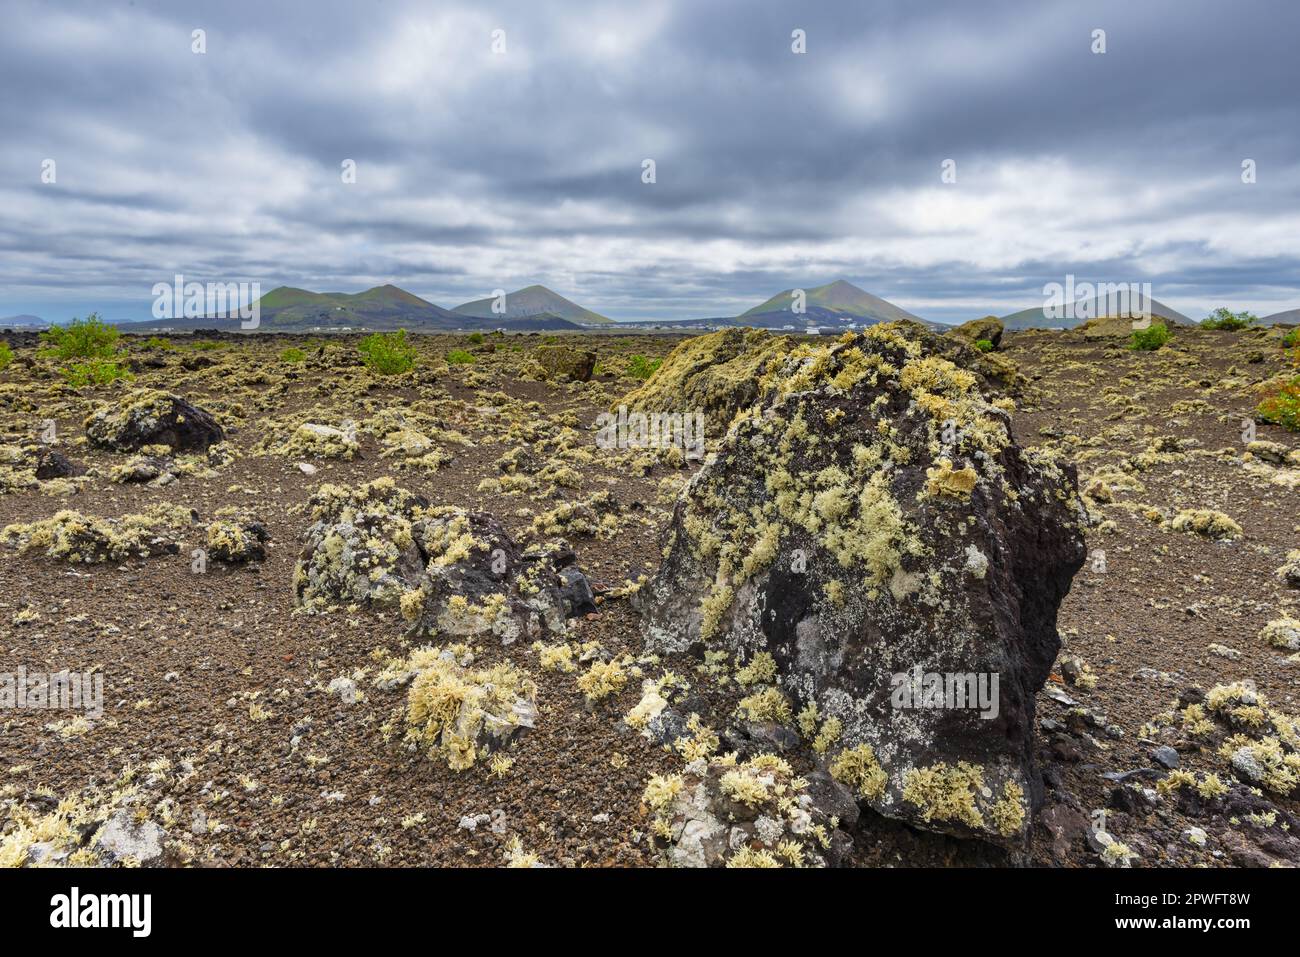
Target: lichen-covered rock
151 417
1274 452
872 524
27 464
321 441
1206 522
1259 744
565 363
52 464
1109 327
449 571
124 839
716 374
236 536
1282 633
720 812
73 537
101 826
1289 571
989 328
140 469
361 548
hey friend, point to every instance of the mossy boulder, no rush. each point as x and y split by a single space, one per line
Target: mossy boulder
151 417
989 328
1110 327
236 536
716 374
73 537
870 522
448 571
564 363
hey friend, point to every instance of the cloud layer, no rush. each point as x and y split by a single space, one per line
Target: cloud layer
478 170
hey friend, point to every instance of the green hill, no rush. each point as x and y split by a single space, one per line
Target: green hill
534 301
836 302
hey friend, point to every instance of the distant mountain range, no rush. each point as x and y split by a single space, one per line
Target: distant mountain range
384 308
830 307
836 305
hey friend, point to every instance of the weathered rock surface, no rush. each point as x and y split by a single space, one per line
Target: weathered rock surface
872 524
124 839
723 813
235 536
73 537
990 328
566 363
717 374
450 572
52 464
150 417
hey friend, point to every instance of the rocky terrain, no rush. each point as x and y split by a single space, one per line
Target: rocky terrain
345 616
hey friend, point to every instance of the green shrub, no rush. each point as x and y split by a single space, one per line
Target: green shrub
1151 338
475 338
1282 407
1223 318
158 343
81 339
292 354
459 357
639 367
6 355
387 353
984 345
94 372
207 345
1292 338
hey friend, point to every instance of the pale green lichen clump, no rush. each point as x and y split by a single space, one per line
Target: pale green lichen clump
457 713
957 794
858 768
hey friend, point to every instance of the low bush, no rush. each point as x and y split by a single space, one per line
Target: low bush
88 338
639 367
387 353
1151 338
1223 318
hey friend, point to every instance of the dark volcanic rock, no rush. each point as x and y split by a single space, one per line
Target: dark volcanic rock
150 417
52 464
872 524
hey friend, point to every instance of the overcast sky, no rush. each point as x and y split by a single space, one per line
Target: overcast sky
478 170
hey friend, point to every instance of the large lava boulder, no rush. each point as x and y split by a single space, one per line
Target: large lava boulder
871 523
152 417
717 374
565 363
449 571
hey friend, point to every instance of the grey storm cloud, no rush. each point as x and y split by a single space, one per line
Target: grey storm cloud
478 170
